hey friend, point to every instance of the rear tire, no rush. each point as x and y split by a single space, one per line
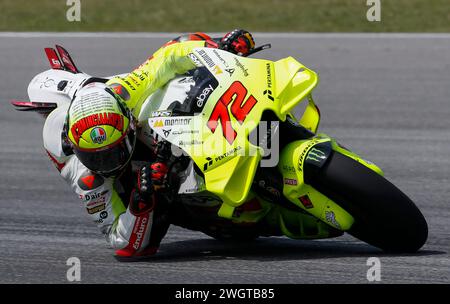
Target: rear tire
384 216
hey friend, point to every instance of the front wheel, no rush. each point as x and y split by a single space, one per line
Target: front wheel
384 216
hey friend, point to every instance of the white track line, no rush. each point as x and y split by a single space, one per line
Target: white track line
259 34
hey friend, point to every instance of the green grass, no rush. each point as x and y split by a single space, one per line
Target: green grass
223 15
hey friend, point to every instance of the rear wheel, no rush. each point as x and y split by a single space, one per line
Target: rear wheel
384 216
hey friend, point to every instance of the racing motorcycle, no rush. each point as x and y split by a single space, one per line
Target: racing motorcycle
209 116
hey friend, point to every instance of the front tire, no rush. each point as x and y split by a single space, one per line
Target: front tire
384 216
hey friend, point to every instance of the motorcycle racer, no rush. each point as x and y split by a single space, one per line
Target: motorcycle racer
92 141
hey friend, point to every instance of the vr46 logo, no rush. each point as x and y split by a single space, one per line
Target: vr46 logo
233 97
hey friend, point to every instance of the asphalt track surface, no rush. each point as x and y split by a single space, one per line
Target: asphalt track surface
384 96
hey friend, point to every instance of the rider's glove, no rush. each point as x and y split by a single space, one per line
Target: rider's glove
142 197
239 42
158 174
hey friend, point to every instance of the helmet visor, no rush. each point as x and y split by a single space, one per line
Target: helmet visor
110 159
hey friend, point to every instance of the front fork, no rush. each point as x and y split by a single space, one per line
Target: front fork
314 152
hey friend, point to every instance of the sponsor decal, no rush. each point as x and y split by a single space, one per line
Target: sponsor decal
158 124
58 165
207 59
48 83
233 98
90 181
139 230
290 169
186 80
273 191
300 159
290 181
98 135
161 113
96 209
269 94
221 58
92 196
204 95
241 67
128 83
171 122
62 85
220 157
230 71
306 202
103 215
180 132
217 70
331 218
228 153
195 60
120 90
224 62
166 132
111 119
190 142
316 155
269 75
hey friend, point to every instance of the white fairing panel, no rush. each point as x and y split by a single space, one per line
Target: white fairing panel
44 86
53 127
175 90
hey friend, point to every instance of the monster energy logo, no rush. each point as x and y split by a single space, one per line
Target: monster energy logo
300 159
316 155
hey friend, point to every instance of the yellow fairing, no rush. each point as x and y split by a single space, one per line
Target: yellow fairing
294 82
229 162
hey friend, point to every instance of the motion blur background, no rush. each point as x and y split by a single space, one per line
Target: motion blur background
221 15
